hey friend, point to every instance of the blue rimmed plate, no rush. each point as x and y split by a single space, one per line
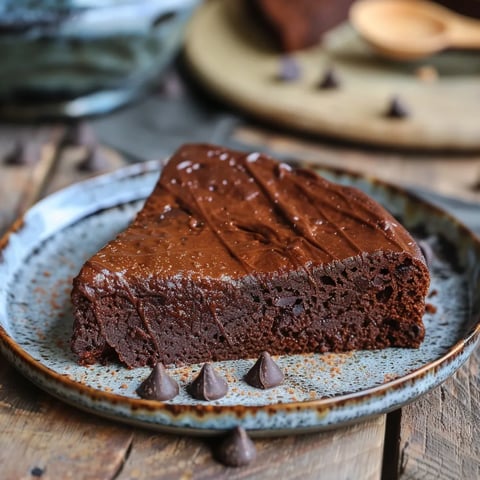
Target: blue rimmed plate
47 247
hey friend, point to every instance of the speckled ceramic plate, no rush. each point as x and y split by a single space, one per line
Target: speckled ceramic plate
45 249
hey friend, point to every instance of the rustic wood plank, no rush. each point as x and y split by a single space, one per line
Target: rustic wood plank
19 182
54 166
440 433
42 436
42 171
69 166
350 452
42 433
455 175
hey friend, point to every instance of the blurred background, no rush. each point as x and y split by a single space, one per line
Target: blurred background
385 87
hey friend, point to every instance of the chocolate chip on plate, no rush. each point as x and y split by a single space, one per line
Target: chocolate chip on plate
158 385
208 385
265 373
330 80
397 109
427 252
289 69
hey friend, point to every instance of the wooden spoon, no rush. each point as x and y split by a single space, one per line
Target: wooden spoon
412 29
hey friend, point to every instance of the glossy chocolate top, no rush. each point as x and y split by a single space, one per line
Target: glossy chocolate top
216 212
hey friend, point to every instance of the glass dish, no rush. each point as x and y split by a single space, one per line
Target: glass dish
72 58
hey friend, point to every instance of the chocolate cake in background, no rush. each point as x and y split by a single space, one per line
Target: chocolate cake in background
301 23
470 8
234 254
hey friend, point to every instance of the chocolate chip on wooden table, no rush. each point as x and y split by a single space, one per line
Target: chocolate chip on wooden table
397 109
236 449
330 80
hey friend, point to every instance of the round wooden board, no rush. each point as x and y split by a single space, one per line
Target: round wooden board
234 59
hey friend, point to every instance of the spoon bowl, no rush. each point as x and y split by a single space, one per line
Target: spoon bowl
412 29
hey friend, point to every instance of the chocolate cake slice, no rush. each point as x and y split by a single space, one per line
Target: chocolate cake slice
299 24
470 8
234 254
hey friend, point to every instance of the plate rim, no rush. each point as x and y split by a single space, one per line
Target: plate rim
460 350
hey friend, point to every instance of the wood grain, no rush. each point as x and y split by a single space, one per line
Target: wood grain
42 435
53 166
68 168
350 452
440 432
19 182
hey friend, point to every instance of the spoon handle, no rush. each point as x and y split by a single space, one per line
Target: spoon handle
464 33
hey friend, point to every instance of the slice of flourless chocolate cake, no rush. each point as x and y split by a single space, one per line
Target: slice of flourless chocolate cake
234 254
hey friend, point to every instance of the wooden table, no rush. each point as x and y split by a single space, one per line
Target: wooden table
437 436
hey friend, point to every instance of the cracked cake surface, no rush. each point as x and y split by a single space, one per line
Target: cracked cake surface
234 254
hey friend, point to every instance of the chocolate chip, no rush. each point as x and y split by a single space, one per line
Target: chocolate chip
208 385
427 252
94 161
80 135
23 153
397 109
330 80
158 385
236 449
476 186
289 69
37 472
265 373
